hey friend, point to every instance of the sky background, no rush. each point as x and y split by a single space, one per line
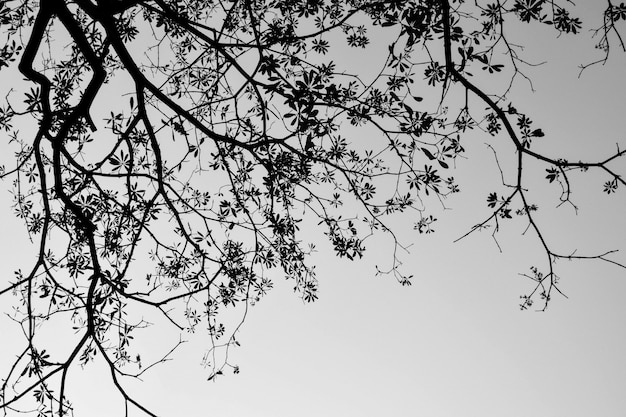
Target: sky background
455 343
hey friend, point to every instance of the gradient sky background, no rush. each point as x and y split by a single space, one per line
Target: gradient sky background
455 343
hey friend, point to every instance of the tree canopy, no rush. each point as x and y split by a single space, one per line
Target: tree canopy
172 156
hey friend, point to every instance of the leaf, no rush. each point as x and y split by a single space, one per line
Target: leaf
481 58
113 160
428 154
553 174
538 133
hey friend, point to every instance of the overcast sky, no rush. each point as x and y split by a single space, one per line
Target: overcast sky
453 344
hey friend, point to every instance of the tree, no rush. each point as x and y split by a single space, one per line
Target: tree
202 135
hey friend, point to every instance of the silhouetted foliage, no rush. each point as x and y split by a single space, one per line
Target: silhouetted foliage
167 152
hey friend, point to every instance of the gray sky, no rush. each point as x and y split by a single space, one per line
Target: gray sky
455 343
